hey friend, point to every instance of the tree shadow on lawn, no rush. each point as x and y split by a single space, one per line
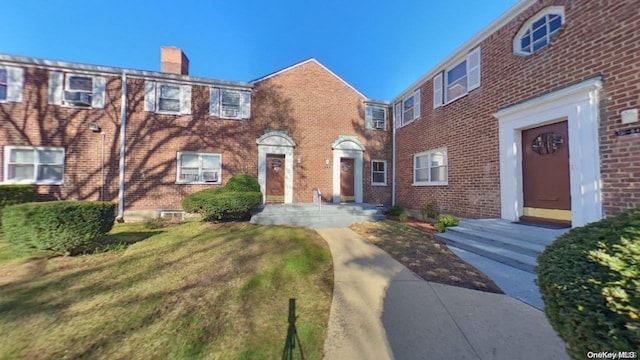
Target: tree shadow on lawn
115 242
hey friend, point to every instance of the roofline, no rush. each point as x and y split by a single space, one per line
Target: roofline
54 64
278 72
488 30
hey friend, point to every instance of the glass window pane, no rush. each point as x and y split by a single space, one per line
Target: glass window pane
20 172
170 91
23 156
189 174
457 72
189 160
210 162
540 44
539 33
422 161
555 23
3 76
377 114
231 98
50 172
540 22
3 92
81 83
169 105
422 175
457 88
437 158
525 41
378 177
439 173
50 157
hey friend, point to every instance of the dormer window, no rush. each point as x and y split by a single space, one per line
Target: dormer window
538 31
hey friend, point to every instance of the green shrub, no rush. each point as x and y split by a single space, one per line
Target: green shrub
395 210
429 211
242 183
58 226
15 194
445 221
589 279
403 217
234 201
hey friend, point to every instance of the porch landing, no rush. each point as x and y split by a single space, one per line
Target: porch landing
317 217
504 251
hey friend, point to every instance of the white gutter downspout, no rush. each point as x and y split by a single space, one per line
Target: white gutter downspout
393 157
123 128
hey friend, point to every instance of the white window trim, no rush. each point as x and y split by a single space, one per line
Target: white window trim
6 99
34 181
415 95
373 183
431 183
551 10
65 87
179 165
445 88
158 110
366 124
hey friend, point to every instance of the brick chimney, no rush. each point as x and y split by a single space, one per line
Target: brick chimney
173 60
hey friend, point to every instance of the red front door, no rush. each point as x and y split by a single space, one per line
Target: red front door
347 180
545 174
275 178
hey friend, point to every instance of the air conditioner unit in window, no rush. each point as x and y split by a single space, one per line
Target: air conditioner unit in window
78 98
209 176
378 124
229 112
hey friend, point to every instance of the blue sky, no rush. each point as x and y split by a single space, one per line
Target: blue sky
379 47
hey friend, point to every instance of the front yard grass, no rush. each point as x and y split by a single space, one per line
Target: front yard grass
424 255
194 290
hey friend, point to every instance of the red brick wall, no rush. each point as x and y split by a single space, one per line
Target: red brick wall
315 107
599 38
33 122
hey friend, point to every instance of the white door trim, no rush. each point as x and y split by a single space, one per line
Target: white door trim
347 147
579 105
276 143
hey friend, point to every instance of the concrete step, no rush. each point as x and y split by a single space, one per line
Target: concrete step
499 239
505 228
313 220
516 259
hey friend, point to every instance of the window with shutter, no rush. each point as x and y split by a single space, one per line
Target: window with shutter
169 98
230 104
437 91
461 78
375 117
78 90
4 84
409 109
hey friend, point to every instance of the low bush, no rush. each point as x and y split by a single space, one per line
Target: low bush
403 217
445 221
235 201
429 211
589 279
395 210
58 226
15 194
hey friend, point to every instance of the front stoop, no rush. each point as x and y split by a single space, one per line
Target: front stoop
314 216
500 240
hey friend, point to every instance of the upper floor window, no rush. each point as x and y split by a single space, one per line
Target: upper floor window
408 109
229 103
33 165
538 31
11 83
375 117
199 168
459 79
167 98
430 167
77 90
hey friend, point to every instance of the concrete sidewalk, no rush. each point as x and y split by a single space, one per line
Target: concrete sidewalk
381 310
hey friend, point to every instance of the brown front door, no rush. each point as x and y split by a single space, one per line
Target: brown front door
347 184
545 174
275 178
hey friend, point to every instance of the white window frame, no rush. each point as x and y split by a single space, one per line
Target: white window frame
222 106
36 164
528 26
374 183
159 86
199 154
447 85
370 123
429 153
415 109
469 69
67 87
217 109
5 84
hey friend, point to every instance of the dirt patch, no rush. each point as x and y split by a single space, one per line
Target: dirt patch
413 244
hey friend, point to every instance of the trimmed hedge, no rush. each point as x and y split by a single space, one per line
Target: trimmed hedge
234 201
58 226
589 279
15 194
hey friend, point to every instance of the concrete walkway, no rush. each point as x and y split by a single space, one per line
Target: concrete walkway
381 310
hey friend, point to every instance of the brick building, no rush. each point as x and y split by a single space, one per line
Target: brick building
534 117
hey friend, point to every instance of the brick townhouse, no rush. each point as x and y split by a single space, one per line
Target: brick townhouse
534 118
147 139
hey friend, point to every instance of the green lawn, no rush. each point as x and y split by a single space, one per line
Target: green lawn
194 290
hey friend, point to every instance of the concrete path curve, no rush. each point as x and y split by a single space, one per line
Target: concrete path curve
382 310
